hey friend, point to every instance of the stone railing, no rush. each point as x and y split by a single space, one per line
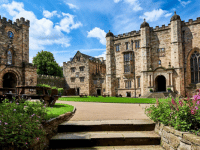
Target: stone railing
172 139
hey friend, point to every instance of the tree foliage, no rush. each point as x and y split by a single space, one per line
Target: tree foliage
46 64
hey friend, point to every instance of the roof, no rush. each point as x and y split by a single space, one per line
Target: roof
144 24
86 57
175 17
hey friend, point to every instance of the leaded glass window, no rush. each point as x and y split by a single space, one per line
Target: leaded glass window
195 67
127 84
127 65
9 56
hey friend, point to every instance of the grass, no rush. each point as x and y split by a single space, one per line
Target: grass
112 99
57 110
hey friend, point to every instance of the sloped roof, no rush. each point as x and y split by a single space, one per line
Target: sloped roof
86 57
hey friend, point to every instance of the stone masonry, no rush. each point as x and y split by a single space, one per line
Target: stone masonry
15 68
154 58
85 74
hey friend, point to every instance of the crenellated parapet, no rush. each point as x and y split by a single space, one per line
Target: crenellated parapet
30 65
190 22
163 27
127 35
18 22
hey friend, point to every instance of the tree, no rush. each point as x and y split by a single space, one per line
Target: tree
46 64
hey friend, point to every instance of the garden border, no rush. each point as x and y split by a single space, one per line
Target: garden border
172 139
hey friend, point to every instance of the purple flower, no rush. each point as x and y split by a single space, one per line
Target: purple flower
198 102
176 117
17 103
192 111
6 123
196 107
14 110
173 102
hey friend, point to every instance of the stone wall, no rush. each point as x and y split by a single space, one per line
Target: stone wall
172 139
57 81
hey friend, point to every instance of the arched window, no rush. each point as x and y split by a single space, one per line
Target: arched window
195 67
9 57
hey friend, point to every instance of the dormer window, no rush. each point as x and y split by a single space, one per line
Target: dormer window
9 57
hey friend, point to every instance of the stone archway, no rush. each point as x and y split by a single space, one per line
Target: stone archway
160 83
9 80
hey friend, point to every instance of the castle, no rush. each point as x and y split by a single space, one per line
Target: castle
154 58
15 68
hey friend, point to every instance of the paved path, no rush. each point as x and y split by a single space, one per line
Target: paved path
107 111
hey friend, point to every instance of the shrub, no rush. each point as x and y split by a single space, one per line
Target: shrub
60 90
151 90
19 123
182 115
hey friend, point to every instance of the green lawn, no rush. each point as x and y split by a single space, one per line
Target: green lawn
58 109
111 99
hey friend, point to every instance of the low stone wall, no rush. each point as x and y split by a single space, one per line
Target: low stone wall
172 139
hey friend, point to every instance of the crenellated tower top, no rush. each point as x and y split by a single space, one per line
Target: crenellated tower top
18 22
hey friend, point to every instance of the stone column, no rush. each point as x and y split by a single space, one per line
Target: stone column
171 79
151 80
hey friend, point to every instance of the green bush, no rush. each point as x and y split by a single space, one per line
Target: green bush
19 123
60 90
182 115
43 85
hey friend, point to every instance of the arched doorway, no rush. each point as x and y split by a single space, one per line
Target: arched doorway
160 83
9 80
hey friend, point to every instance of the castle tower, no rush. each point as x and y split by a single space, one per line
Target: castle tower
176 51
145 45
110 65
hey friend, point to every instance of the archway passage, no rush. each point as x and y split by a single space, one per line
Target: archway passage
9 80
98 92
160 84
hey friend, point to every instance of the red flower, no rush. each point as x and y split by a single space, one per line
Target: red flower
192 112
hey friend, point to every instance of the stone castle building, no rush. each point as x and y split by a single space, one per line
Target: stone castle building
154 58
15 68
85 74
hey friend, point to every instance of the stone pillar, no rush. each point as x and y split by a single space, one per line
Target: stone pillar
171 79
151 80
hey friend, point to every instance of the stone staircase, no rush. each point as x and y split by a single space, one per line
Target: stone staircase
106 135
158 95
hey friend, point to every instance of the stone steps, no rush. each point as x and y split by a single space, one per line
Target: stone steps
158 95
109 134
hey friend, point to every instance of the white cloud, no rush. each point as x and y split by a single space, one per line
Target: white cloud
102 55
30 59
183 3
99 34
42 31
117 1
168 14
155 15
67 23
72 6
135 4
49 14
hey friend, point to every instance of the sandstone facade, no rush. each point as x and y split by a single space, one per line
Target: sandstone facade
154 58
85 74
15 68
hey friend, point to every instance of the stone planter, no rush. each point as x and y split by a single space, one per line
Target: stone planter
172 139
51 127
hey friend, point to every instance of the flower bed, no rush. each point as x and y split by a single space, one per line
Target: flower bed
25 126
177 122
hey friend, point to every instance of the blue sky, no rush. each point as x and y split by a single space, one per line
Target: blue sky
65 26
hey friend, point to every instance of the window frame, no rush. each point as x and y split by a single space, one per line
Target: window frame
128 84
81 68
161 52
117 48
137 44
82 79
126 43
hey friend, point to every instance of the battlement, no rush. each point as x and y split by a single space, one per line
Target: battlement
190 22
17 23
127 35
163 27
49 77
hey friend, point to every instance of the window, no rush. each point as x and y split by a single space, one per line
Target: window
137 44
117 48
195 67
127 84
138 82
95 81
9 56
104 90
102 80
118 82
73 69
81 79
126 45
161 52
78 58
72 79
81 68
127 59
